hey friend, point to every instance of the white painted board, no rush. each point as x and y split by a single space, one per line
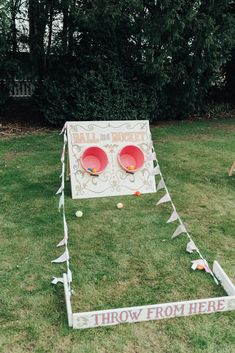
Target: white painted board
110 136
152 312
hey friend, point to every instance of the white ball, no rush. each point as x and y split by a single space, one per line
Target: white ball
120 205
79 214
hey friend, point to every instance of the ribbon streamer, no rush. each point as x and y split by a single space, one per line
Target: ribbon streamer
165 198
179 230
174 216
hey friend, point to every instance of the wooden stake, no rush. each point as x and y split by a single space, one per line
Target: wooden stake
232 170
67 168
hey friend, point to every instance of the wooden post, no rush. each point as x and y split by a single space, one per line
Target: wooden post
67 300
232 170
67 168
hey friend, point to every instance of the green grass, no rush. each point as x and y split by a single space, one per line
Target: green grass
119 258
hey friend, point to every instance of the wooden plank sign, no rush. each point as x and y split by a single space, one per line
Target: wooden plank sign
152 312
111 137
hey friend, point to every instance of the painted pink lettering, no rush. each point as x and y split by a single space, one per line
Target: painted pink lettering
125 314
221 305
105 318
211 306
114 317
192 308
179 310
159 312
168 311
96 318
134 314
149 313
202 307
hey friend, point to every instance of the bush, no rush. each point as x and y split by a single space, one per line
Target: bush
95 95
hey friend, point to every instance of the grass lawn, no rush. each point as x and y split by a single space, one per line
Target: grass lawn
119 258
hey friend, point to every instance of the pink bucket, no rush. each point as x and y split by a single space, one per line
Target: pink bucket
131 158
94 160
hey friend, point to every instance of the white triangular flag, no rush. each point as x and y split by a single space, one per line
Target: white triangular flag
165 198
151 157
179 230
161 185
57 279
191 247
63 129
69 275
174 216
156 171
61 243
61 202
59 191
200 262
64 257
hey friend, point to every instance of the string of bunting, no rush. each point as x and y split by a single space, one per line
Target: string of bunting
64 242
181 229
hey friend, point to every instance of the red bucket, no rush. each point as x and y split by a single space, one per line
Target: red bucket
131 158
94 160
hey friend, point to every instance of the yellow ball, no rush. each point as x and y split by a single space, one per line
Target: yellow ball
120 205
131 167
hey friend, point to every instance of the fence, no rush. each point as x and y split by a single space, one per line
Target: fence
20 88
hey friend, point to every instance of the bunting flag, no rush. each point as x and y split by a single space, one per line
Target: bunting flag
61 202
156 170
59 191
62 242
64 257
191 247
161 185
151 157
200 262
57 279
165 198
63 129
174 216
69 275
179 230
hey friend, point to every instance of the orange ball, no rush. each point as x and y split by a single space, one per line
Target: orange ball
137 193
131 167
200 267
94 170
